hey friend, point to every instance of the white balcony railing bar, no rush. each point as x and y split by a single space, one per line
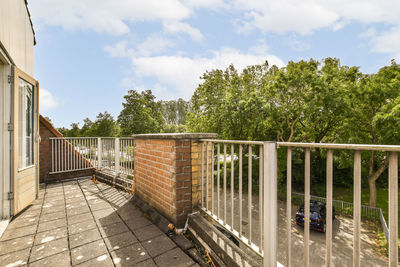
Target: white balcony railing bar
81 153
266 227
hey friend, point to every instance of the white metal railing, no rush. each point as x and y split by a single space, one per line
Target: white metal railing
80 153
266 241
340 205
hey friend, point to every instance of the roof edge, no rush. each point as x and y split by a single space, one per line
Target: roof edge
50 126
30 20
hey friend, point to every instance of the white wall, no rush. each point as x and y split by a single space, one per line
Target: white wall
16 33
5 100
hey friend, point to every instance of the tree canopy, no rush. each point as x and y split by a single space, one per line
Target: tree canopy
304 101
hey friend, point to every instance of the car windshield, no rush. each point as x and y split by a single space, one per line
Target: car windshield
313 208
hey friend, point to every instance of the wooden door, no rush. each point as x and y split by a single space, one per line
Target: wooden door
25 139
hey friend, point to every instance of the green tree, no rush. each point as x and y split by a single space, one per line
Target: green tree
374 118
87 128
105 125
140 114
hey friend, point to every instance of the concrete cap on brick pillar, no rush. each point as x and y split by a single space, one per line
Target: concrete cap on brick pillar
176 136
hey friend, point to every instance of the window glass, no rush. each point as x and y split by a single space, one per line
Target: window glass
25 124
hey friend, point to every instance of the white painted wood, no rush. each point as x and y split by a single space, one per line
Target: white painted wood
393 209
307 208
329 193
116 155
5 109
270 204
16 33
289 206
357 208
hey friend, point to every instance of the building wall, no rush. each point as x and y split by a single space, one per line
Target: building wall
164 173
46 132
16 34
5 110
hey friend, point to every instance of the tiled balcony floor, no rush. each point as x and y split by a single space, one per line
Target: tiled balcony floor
78 223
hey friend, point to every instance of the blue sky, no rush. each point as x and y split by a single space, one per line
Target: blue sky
89 53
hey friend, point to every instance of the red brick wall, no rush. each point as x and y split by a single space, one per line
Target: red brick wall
44 151
46 131
163 176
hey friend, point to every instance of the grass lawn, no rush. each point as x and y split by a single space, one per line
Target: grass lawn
382 198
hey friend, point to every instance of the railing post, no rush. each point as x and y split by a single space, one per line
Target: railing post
270 203
393 208
99 153
116 161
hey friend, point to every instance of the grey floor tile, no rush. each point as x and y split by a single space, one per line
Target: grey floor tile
18 258
113 229
23 221
60 260
101 261
103 206
74 200
73 194
175 257
50 235
48 249
16 244
146 263
52 209
130 255
120 241
11 233
88 251
84 237
54 203
52 216
52 225
158 245
80 218
147 232
76 211
136 223
81 227
76 205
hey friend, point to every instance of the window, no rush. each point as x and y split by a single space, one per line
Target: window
25 124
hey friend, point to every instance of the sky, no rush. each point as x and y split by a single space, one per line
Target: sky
89 53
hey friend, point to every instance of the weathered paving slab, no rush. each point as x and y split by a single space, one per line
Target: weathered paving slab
78 223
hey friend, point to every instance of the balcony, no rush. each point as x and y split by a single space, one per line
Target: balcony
79 223
169 171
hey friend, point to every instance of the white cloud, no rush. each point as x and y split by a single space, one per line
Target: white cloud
387 42
181 74
47 101
154 44
105 16
305 17
119 49
209 4
175 27
260 48
295 43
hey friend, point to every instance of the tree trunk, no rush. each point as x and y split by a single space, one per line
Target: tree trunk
372 192
373 176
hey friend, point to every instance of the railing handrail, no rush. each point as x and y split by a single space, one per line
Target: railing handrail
395 148
91 137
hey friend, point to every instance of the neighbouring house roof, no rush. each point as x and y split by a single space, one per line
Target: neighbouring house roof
50 126
29 15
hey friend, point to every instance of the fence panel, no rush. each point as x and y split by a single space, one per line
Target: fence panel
265 210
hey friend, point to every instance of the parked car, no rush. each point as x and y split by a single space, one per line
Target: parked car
317 215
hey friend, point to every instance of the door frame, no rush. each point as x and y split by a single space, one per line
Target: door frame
16 172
